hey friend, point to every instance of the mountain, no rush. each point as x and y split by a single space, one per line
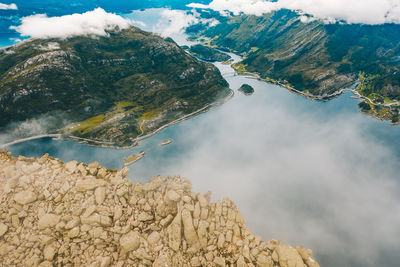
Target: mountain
315 58
208 54
111 89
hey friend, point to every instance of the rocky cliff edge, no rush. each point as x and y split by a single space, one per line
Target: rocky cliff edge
69 214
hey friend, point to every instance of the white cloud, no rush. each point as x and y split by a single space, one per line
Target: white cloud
300 171
174 22
351 11
138 23
8 6
254 7
178 21
95 22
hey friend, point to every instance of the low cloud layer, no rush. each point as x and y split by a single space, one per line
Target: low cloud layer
8 6
96 22
299 172
350 11
178 21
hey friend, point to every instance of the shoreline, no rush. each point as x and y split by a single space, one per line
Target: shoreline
326 98
135 142
18 141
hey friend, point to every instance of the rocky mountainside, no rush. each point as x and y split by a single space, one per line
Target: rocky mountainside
111 89
69 214
208 54
315 58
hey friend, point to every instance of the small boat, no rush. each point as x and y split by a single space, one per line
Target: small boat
166 142
132 159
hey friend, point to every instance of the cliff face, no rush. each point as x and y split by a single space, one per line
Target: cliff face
55 213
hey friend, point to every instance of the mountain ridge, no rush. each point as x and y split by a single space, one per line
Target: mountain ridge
315 58
110 89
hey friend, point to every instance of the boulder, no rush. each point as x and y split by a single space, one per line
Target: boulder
144 216
171 195
89 184
3 229
240 262
130 241
25 197
175 232
287 256
71 166
153 238
307 256
100 195
188 228
48 220
49 252
264 261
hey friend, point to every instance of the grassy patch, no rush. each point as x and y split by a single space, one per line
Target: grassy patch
150 114
125 104
239 67
227 62
86 126
254 49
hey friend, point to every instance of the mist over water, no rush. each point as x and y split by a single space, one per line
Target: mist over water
308 173
298 173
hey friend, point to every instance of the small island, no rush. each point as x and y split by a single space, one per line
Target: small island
132 159
166 142
208 53
246 89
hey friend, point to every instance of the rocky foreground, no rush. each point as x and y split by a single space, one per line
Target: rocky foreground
69 214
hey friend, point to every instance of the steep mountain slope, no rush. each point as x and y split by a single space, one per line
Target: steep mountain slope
110 89
316 58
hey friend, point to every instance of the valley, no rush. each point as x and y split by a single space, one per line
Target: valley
318 60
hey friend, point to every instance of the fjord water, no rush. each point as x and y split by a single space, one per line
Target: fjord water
317 174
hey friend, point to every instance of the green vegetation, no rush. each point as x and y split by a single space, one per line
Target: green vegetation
125 104
376 104
240 67
246 89
208 53
110 88
86 126
228 62
149 115
314 57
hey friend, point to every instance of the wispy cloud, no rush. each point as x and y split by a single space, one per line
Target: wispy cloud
8 6
174 22
350 11
138 23
95 22
300 171
178 21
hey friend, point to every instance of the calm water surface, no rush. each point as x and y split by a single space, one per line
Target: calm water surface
311 173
